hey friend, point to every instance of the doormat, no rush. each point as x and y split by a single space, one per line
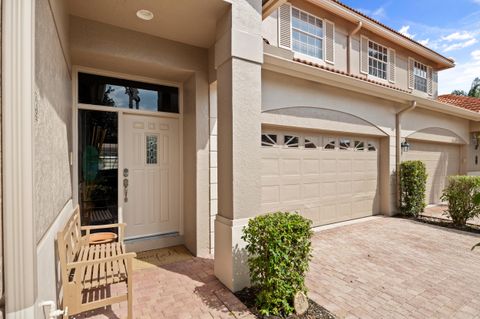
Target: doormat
160 257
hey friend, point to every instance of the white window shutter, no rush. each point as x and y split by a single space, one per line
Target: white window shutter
429 80
363 54
285 26
411 78
392 67
329 42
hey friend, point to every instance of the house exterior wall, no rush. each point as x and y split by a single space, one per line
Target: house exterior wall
52 140
294 102
52 120
342 29
213 163
111 48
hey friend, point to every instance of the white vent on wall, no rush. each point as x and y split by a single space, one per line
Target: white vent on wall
285 26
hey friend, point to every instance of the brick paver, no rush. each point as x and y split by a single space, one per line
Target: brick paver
186 289
396 268
380 268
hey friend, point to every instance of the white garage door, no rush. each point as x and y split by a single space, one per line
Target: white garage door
441 160
327 178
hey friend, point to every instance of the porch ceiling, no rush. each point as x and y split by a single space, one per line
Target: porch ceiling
186 21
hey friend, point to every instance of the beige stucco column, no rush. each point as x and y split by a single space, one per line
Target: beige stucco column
238 58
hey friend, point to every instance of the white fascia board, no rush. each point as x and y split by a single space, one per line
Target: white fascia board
315 74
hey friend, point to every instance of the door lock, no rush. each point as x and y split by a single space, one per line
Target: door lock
125 172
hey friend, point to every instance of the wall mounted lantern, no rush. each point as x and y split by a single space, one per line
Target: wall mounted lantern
476 139
405 146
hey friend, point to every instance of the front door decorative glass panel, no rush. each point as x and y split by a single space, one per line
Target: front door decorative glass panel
151 149
121 93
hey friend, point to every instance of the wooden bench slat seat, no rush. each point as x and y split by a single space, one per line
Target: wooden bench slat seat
87 267
103 273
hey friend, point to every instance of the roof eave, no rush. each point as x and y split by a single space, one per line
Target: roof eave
348 14
268 6
312 73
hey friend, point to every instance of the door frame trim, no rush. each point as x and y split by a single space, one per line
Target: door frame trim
120 111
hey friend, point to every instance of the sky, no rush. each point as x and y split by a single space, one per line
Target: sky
450 27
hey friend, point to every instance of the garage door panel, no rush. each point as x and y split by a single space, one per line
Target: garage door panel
311 166
324 185
441 161
290 166
311 190
270 166
270 194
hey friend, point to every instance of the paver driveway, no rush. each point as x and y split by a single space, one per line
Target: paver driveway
396 268
379 268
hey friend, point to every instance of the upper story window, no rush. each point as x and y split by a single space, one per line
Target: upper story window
377 60
121 93
307 34
420 74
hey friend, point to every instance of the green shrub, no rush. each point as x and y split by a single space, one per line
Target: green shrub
279 250
462 195
413 181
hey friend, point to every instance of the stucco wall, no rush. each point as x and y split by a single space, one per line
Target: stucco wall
52 141
294 102
342 29
111 48
52 121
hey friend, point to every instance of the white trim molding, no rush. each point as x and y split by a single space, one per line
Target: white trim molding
18 65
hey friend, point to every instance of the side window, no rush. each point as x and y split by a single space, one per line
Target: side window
377 60
359 145
269 140
290 141
329 143
310 143
344 144
307 33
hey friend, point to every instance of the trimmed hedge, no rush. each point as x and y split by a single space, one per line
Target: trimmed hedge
413 181
279 251
463 197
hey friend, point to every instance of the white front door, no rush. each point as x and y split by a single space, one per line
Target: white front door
151 152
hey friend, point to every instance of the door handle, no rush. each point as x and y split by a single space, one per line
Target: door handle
125 190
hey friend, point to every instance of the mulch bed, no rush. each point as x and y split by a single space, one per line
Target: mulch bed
315 311
442 222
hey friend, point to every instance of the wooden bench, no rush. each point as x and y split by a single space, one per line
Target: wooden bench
88 271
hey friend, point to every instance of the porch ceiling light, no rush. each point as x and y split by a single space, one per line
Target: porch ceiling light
145 14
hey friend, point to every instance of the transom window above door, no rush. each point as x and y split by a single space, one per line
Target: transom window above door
307 34
120 93
377 60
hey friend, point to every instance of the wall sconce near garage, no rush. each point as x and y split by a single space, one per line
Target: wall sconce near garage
405 146
476 139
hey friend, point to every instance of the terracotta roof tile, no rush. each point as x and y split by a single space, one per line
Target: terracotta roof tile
390 29
466 102
326 68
